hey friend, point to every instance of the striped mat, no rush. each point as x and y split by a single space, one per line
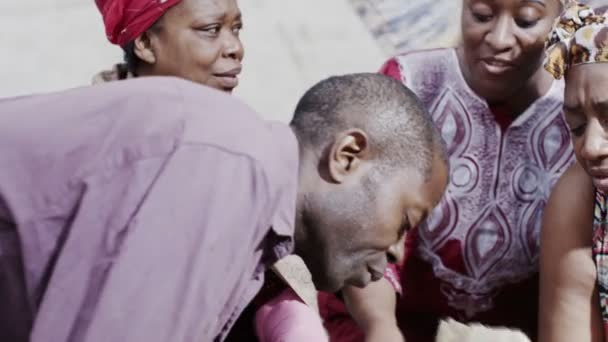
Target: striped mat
403 25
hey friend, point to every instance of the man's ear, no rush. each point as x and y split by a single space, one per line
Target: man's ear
347 153
143 48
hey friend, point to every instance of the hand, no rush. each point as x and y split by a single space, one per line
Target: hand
384 333
373 308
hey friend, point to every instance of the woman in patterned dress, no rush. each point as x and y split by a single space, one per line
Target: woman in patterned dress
500 113
574 249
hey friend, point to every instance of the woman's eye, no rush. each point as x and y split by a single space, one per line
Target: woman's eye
523 23
237 29
213 30
578 131
482 18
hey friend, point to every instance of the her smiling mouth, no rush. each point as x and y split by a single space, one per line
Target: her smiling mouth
495 65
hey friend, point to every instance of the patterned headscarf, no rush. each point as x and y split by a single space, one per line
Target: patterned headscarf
579 36
125 20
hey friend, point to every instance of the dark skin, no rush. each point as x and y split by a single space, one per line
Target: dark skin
503 49
569 309
501 59
196 40
347 232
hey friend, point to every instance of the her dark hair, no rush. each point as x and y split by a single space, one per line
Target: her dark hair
130 58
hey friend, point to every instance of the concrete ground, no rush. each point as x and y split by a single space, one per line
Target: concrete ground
50 45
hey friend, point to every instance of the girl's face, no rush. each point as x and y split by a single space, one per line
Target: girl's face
586 111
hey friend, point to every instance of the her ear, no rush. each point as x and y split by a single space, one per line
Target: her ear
143 48
347 153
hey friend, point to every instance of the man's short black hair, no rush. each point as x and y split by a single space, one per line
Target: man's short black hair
400 130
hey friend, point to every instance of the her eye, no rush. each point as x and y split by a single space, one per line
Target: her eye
237 29
526 23
212 29
482 18
579 130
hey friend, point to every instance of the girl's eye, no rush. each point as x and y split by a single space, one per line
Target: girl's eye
578 131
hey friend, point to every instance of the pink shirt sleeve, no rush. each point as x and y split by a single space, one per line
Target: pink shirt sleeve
286 318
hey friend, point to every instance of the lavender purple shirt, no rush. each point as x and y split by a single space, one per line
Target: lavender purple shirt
140 210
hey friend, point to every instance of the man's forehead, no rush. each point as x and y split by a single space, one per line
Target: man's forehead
431 188
418 189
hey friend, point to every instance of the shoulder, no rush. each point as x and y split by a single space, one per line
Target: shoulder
219 120
567 270
426 72
572 197
568 216
432 57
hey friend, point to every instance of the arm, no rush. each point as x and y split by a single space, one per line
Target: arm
182 260
373 308
569 304
287 318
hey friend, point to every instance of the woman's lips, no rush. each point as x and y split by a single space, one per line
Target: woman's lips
228 82
497 66
228 79
600 178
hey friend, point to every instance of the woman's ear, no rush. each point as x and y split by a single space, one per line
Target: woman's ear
143 48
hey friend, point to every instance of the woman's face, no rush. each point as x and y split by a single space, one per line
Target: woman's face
503 43
199 40
586 111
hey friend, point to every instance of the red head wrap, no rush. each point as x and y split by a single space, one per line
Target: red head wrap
125 20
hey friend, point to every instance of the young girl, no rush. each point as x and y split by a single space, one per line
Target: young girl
574 266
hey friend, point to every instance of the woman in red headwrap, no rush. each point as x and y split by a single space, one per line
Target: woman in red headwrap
199 40
192 39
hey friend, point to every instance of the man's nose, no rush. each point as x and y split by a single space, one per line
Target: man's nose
396 252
